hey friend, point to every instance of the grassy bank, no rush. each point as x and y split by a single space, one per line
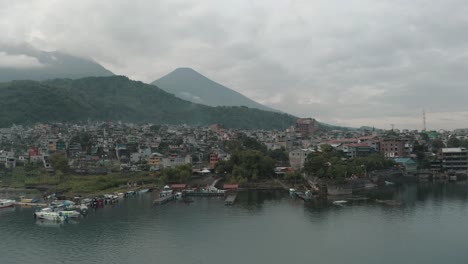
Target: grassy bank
70 184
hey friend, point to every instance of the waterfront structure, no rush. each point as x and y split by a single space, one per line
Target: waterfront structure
454 159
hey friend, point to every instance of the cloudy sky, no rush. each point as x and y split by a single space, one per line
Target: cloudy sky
353 62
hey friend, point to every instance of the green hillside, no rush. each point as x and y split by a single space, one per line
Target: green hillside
118 98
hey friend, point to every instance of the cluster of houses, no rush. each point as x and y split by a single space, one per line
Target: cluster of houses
98 147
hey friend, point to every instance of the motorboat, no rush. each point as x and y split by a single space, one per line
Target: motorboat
389 183
340 202
4 203
70 214
179 196
52 216
143 191
292 192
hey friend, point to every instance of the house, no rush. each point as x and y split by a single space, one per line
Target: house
408 164
176 160
298 157
357 150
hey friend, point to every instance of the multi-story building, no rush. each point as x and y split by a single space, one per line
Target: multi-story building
306 127
454 159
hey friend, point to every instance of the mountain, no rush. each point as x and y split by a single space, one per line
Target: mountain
118 98
190 85
24 62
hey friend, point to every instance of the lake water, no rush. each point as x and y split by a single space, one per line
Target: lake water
262 227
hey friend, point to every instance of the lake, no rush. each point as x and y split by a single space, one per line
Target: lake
431 226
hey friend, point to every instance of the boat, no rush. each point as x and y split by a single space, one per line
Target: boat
389 183
4 203
292 192
70 214
179 196
340 202
143 190
52 216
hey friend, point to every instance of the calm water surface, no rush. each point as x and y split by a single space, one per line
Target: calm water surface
263 227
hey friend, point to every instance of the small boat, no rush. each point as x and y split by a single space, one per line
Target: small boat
340 202
179 196
4 203
292 192
389 183
70 214
143 190
52 216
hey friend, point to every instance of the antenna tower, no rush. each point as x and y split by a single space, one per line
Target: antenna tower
424 120
393 125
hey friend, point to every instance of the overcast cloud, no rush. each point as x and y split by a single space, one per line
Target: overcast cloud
353 62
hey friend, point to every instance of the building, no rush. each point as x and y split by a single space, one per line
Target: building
298 157
357 150
306 127
214 159
176 160
392 148
454 159
408 164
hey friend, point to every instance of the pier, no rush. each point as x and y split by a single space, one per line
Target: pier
230 199
164 199
204 194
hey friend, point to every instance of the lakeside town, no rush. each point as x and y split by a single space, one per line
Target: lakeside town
49 156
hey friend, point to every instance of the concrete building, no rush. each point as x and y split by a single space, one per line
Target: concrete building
298 157
454 159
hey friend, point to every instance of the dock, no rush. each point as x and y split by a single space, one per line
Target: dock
204 194
164 199
230 199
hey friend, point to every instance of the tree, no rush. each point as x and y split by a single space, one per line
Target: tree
453 142
437 144
59 163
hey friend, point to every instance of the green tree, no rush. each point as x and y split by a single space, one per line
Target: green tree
453 142
59 163
437 144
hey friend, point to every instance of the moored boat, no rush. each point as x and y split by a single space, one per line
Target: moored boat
52 216
4 203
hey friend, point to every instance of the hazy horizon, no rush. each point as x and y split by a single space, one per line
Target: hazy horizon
352 63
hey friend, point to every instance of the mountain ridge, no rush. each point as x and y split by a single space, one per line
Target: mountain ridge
43 65
117 98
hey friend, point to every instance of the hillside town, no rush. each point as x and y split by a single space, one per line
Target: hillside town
101 147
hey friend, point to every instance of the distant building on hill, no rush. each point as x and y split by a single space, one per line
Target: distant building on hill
306 127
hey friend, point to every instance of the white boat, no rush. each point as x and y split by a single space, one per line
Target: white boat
340 202
179 196
52 216
292 191
70 214
143 191
4 203
389 183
